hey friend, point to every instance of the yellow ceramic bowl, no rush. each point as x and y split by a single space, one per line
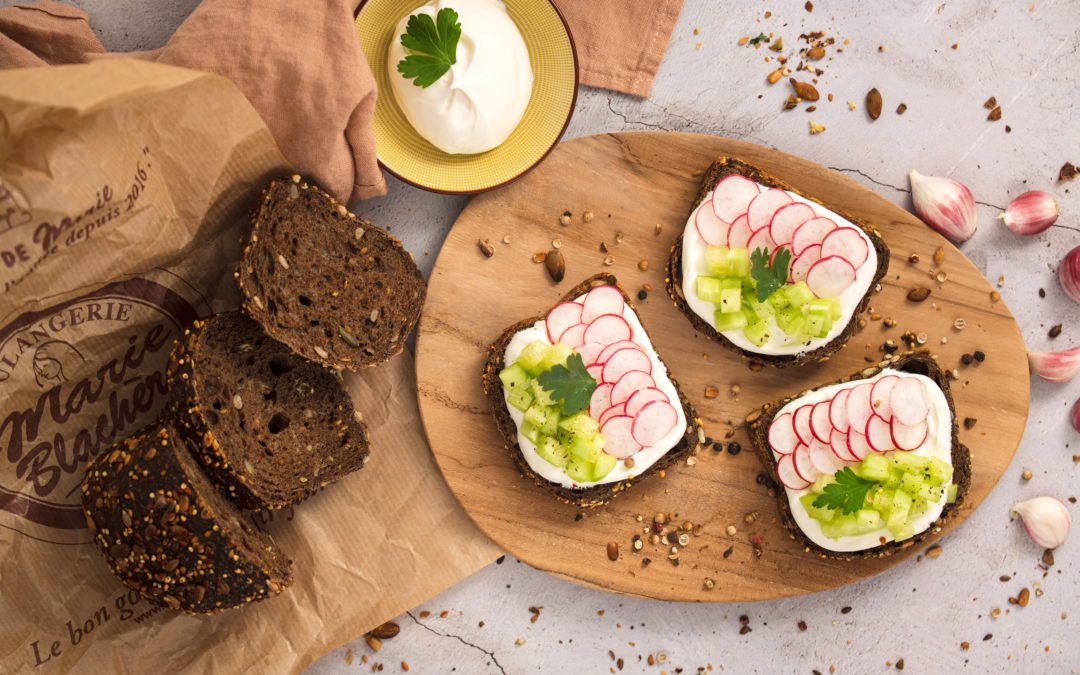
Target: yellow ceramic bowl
406 154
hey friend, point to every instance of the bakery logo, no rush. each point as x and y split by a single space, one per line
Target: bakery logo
75 378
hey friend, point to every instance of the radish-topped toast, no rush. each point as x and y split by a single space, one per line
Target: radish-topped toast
770 273
868 464
584 403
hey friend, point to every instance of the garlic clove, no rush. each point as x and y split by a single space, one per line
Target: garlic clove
1069 274
945 205
1055 366
1046 519
1030 213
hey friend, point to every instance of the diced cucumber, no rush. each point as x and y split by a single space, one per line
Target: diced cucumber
513 377
911 483
930 493
531 432
818 323
939 472
542 396
908 462
709 288
893 481
882 498
718 261
521 398
587 448
552 451
578 470
874 467
901 505
868 520
602 466
555 355
762 309
730 300
820 482
787 316
551 425
797 329
580 424
951 493
798 294
537 415
729 321
757 332
816 512
830 306
778 299
841 526
530 357
902 532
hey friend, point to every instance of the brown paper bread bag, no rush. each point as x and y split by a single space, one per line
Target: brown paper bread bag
124 191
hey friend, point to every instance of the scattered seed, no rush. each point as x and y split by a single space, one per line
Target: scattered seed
237 402
918 294
901 109
1026 475
506 239
587 217
965 645
643 265
734 448
609 261
1067 172
485 247
657 229
873 103
969 422
556 243
816 128
538 257
728 551
564 219
815 53
373 642
709 584
990 103
555 264
775 75
845 610
642 294
959 324
1048 558
731 530
979 356
386 630
995 114
934 551
913 258
1024 597
1055 331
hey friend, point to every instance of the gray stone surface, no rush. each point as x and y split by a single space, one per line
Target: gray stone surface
919 611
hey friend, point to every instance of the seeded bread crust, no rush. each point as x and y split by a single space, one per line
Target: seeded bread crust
335 288
167 533
269 427
597 495
759 420
726 166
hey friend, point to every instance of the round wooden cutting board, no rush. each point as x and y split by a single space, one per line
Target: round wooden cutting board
639 188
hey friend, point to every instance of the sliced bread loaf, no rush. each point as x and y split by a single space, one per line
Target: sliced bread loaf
167 532
270 427
335 288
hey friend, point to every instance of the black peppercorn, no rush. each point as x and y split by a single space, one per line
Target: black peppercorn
718 446
760 480
734 448
966 359
642 294
980 356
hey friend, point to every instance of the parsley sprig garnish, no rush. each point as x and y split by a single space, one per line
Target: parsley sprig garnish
848 493
769 277
570 384
762 37
433 44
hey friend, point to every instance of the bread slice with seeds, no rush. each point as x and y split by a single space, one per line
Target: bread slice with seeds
335 288
167 532
270 427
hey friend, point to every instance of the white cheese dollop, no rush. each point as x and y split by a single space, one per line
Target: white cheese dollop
477 104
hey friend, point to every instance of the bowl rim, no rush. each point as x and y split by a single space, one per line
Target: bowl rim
554 142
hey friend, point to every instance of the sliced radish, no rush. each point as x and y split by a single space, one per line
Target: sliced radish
739 233
908 401
601 300
838 417
820 426
839 445
619 436
608 328
823 459
561 317
847 243
804 262
909 437
801 423
787 219
857 445
613 411
731 197
879 434
782 437
654 421
858 407
596 371
785 470
606 353
630 383
624 361
601 400
761 239
711 229
590 352
574 336
764 206
803 466
641 397
811 232
829 277
879 396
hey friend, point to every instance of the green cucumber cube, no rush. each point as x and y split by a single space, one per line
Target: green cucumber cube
717 260
531 356
798 294
542 396
939 472
874 467
951 493
930 493
818 323
820 482
729 320
911 483
513 377
739 262
868 520
555 355
709 288
521 398
902 532
531 432
779 300
579 471
552 451
882 498
893 481
550 427
909 463
901 505
816 512
730 300
829 306
580 424
537 414
786 316
587 448
841 526
757 332
602 466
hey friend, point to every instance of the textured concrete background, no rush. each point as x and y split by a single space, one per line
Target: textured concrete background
1025 55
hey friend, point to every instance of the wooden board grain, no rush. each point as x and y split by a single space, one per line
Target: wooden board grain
631 182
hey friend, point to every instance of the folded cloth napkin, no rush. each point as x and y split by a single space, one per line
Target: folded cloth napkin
299 63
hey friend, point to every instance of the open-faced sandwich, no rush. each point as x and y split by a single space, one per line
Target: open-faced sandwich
770 273
585 404
869 464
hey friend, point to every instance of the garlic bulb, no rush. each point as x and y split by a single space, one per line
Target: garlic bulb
1046 519
1055 366
1030 213
1069 274
945 205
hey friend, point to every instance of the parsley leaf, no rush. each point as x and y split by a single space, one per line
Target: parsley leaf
848 493
769 277
570 384
434 43
762 37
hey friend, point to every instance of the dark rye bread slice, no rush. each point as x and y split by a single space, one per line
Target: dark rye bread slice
759 420
335 288
597 495
269 427
167 532
726 166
